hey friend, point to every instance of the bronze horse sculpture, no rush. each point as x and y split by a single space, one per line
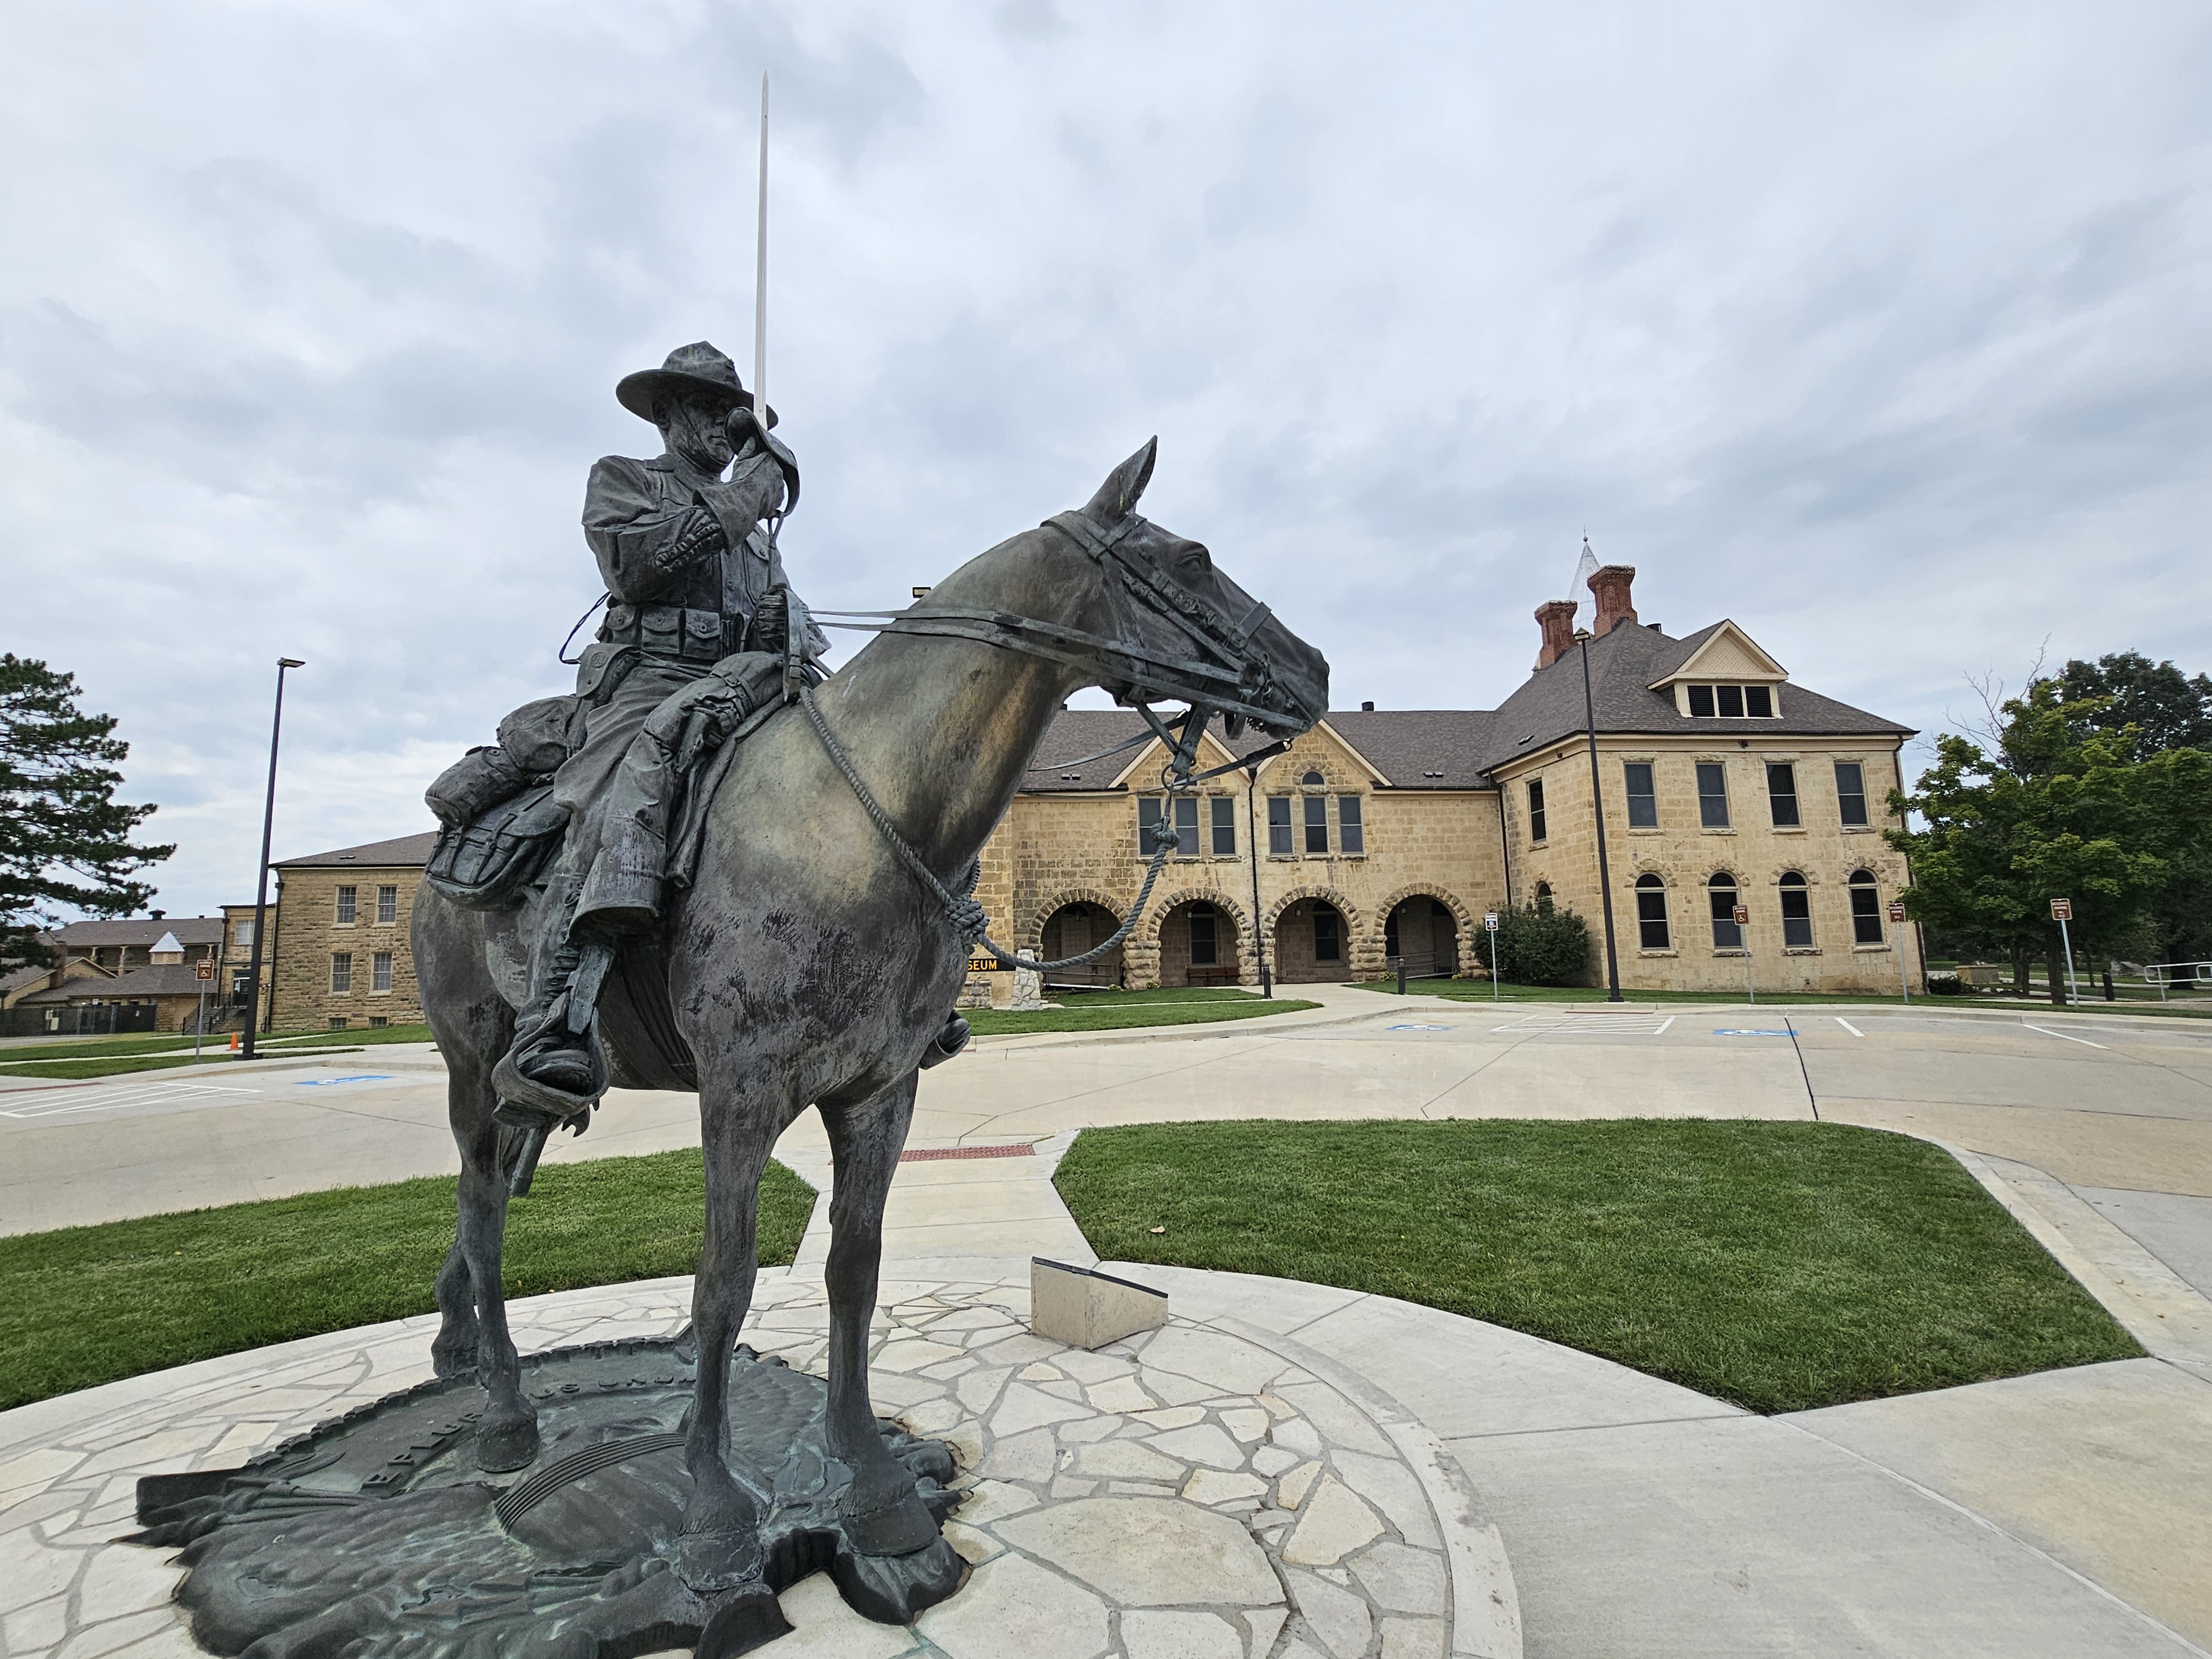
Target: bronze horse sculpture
810 964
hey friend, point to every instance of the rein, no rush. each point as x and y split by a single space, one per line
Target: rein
1230 684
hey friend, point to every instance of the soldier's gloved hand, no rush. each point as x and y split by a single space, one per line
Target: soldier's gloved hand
695 720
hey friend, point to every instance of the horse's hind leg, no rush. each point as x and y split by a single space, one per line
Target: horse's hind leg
477 1314
898 1564
453 1350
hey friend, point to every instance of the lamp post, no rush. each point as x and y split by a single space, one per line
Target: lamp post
261 891
1252 846
1597 811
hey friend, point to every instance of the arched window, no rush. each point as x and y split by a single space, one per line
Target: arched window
1796 912
1543 898
1727 936
1652 912
1313 780
1866 908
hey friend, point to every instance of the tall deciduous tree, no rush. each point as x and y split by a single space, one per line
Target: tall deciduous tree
2062 806
64 839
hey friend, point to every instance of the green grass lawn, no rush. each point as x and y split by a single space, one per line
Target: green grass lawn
1779 1265
1477 990
85 1305
1114 1011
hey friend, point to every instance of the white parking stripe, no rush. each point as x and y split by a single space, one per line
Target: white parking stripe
115 1099
1847 1026
1661 1031
2084 1041
1645 1024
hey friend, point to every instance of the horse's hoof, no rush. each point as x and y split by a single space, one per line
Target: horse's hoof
896 1590
747 1620
505 1447
454 1358
899 1528
719 1559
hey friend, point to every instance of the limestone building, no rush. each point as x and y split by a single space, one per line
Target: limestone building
337 956
1386 834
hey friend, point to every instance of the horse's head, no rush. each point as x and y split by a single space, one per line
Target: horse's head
1195 636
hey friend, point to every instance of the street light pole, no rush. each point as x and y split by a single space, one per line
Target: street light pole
261 892
1252 846
1597 810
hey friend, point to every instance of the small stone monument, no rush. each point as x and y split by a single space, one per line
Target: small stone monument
1029 990
1086 1309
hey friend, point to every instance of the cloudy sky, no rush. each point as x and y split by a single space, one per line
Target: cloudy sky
1885 330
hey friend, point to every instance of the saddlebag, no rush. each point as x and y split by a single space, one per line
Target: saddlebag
485 864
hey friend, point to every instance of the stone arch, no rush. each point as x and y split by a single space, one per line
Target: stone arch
1359 952
1344 907
1112 967
1465 924
1812 875
1156 948
1058 900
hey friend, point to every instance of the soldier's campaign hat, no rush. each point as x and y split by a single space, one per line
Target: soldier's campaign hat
695 367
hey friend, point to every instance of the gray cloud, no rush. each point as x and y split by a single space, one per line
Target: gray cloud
1881 330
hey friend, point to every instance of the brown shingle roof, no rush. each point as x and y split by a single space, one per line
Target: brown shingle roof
169 979
143 930
402 852
1412 747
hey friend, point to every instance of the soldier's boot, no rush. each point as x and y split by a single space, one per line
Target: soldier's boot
555 1072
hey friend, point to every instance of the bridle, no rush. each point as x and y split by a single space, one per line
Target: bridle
1223 675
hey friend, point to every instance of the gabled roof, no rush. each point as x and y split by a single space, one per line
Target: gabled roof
1624 666
142 930
401 852
1722 652
170 979
1408 749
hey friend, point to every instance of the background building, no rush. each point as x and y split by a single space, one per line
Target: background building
133 975
338 954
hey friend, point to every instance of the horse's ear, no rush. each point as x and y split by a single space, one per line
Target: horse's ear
1124 485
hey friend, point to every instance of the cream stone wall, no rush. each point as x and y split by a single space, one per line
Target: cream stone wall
304 926
1685 855
1057 849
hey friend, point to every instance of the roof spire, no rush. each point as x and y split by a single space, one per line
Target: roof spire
1584 570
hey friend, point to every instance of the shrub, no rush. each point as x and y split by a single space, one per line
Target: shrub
1538 947
1945 985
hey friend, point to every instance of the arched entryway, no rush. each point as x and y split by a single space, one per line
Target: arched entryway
1198 945
1313 942
1072 930
1424 934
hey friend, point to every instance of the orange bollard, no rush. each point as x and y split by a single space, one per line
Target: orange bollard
234 1042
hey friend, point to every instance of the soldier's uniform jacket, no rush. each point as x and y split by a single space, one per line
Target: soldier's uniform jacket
636 514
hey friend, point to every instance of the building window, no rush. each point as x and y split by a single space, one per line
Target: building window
1758 702
1650 913
1313 780
1727 936
1782 794
339 1021
1850 793
1350 833
1643 800
1797 913
1329 933
1203 949
1731 702
1535 808
1731 699
1866 908
242 935
1185 822
347 896
379 971
1278 823
341 971
378 1022
1224 827
1318 825
387 906
1701 701
1712 795
241 984
1543 898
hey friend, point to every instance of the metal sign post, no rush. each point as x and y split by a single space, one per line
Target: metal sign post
1742 923
2061 911
1489 925
203 971
1904 975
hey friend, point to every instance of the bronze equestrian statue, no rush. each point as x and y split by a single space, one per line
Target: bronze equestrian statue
818 934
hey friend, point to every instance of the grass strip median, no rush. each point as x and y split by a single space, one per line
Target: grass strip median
1116 1011
1778 1266
85 1305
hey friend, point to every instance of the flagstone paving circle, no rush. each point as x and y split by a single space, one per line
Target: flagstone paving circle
1188 1493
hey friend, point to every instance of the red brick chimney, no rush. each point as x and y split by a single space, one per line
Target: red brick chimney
1557 619
1610 583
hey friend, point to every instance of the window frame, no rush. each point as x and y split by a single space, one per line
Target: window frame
1865 892
1221 824
1718 770
1775 798
1648 799
1759 694
380 973
1653 887
1694 698
1734 939
341 973
1334 918
346 905
1843 797
1316 827
1797 930
1350 826
1539 826
1282 841
387 905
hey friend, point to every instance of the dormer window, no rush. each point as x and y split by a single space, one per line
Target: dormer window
1731 702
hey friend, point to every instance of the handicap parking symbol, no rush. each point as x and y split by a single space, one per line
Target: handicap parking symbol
1736 1032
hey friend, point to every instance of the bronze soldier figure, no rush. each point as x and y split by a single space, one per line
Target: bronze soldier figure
694 580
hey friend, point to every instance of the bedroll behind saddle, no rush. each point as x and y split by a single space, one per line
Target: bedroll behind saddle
501 826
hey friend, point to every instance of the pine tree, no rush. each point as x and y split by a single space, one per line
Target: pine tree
64 840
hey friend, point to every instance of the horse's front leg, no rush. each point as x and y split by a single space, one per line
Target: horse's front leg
720 1547
899 1563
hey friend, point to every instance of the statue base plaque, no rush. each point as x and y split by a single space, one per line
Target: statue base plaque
375 1535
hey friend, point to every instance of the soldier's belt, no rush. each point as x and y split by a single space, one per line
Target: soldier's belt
669 633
